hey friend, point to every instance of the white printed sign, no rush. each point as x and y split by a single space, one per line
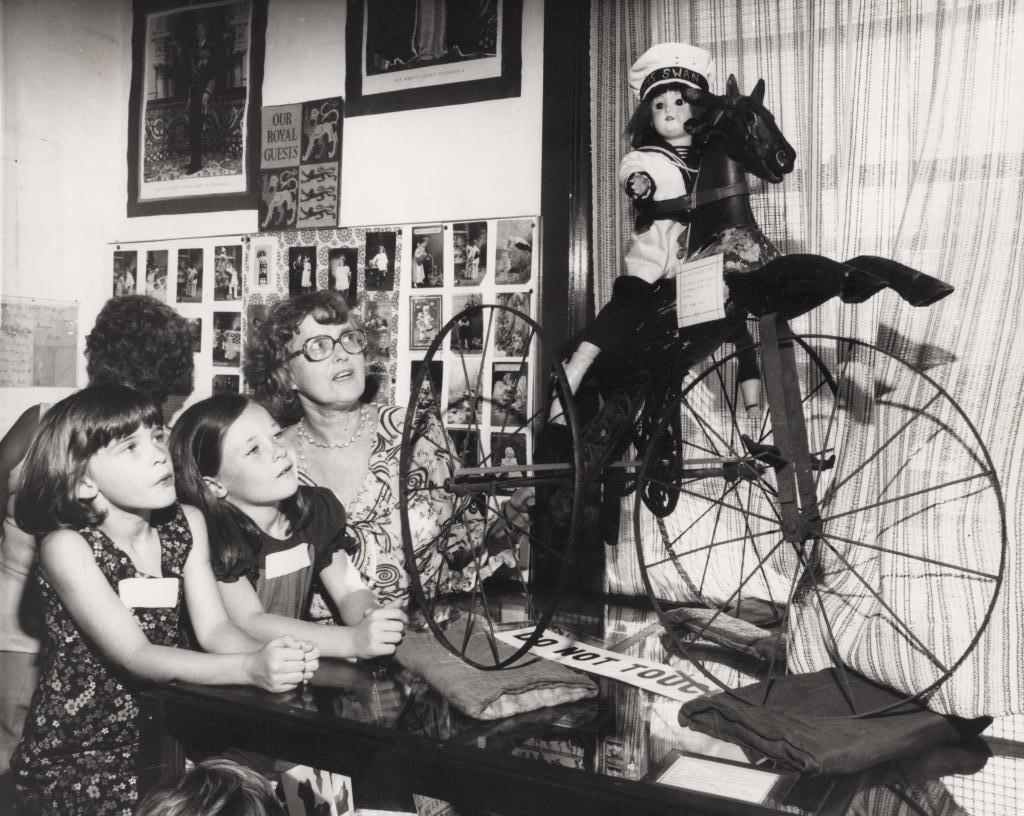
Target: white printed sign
700 291
645 674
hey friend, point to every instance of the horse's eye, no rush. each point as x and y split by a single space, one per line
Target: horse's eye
750 117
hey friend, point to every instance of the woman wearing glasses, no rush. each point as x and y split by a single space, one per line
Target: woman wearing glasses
307 367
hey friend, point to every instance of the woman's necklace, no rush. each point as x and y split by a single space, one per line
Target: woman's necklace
305 436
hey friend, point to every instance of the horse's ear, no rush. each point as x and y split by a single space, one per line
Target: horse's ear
732 88
758 93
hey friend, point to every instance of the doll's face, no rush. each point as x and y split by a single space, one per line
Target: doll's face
669 112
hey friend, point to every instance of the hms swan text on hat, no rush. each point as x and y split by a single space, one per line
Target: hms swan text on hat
670 73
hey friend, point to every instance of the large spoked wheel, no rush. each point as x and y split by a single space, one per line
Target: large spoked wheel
478 511
899 579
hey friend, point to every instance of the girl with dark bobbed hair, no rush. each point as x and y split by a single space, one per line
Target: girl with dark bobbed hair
136 341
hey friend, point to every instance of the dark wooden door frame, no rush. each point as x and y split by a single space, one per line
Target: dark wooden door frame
567 302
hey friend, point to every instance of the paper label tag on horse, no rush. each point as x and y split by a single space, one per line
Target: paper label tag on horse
700 291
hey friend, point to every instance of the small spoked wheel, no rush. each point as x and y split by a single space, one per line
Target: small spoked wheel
896 576
479 511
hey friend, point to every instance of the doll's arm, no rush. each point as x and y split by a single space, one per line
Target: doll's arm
636 181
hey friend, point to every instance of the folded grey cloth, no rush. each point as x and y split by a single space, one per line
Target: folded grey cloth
806 724
489 695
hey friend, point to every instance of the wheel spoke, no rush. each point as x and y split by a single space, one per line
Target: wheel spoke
694 523
710 432
835 486
895 618
833 647
983 475
753 545
711 546
934 561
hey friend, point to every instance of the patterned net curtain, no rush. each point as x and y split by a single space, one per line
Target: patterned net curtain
908 122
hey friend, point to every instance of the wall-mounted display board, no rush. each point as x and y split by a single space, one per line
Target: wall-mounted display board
404 282
202 279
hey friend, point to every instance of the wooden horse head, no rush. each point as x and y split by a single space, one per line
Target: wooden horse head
743 128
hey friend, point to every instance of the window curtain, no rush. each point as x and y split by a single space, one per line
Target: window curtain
908 122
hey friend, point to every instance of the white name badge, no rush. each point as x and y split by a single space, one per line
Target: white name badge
148 593
287 561
700 291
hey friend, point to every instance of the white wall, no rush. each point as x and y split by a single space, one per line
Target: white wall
66 78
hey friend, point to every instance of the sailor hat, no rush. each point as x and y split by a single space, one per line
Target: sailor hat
671 62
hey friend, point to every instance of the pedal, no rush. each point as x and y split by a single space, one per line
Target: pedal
768 454
822 463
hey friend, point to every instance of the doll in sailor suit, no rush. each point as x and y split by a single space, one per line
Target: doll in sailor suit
655 174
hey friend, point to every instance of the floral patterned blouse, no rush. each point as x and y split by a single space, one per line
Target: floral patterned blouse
374 517
78 753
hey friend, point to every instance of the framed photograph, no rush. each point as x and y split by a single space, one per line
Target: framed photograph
301 269
427 257
508 450
342 263
262 266
190 275
195 327
225 384
156 273
227 338
512 334
377 325
227 263
194 109
469 252
465 392
468 335
126 268
509 393
514 258
405 54
380 261
425 320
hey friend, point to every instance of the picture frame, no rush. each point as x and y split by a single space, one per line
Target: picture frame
194 106
395 62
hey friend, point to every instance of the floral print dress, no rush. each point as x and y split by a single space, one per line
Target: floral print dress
374 519
78 754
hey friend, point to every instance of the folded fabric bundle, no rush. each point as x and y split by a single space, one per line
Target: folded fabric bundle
724 630
490 695
806 724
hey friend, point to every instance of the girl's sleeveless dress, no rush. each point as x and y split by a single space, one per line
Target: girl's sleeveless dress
79 751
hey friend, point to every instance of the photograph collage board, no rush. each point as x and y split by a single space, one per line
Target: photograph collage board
202 280
484 373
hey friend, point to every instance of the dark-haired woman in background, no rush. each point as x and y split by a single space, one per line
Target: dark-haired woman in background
136 341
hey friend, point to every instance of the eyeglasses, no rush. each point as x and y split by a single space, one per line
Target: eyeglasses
322 346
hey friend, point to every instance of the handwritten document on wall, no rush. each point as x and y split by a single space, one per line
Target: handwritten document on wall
38 342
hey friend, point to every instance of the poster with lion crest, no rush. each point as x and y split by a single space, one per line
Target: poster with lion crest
300 165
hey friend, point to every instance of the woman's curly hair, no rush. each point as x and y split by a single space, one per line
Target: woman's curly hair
265 355
142 343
